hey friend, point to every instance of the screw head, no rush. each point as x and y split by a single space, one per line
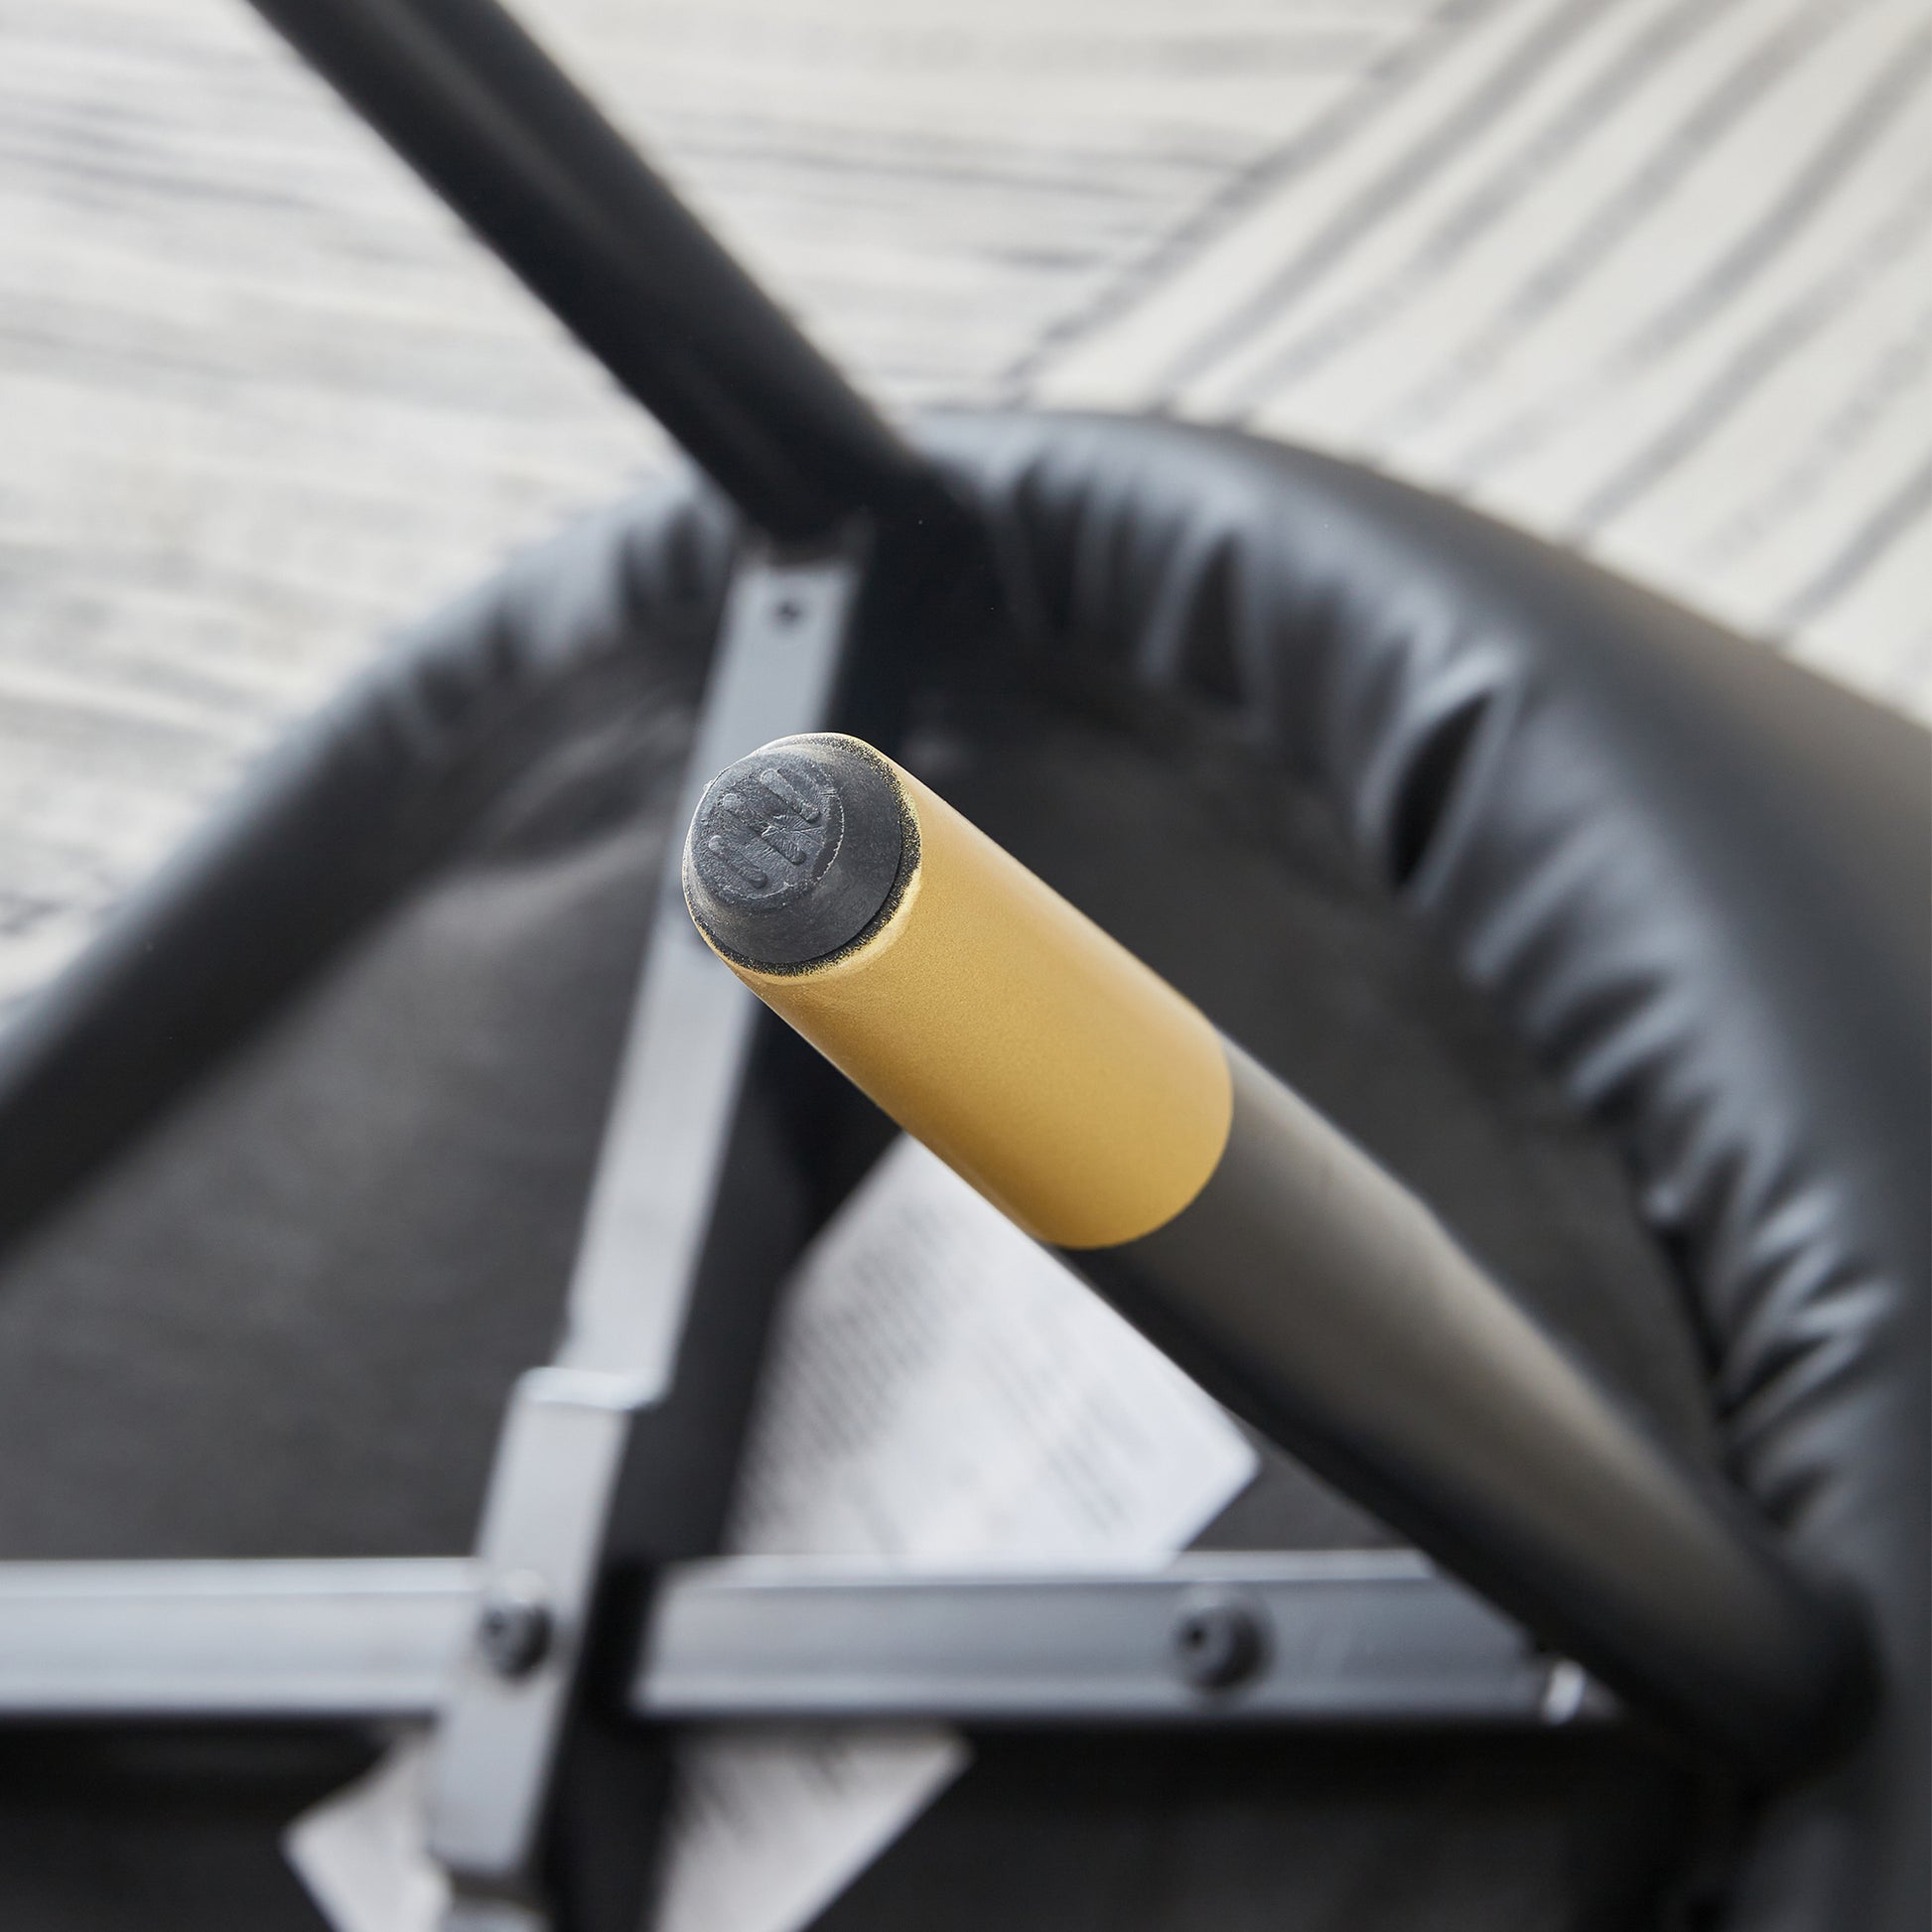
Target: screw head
1217 1642
514 1625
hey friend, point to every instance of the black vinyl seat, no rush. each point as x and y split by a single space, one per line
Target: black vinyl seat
1605 929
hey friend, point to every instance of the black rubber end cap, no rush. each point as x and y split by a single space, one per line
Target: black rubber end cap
794 851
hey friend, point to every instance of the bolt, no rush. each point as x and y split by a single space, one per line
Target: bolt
514 1625
1217 1642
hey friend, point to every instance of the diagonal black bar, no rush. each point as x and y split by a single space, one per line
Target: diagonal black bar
1260 1248
482 114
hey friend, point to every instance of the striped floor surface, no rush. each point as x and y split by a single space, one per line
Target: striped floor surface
1649 275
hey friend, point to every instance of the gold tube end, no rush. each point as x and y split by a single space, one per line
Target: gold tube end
1072 1086
798 852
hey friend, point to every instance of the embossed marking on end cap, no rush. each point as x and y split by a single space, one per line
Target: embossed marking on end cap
766 831
794 850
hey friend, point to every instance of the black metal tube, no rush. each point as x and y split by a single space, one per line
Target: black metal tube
1324 1300
1256 1244
482 114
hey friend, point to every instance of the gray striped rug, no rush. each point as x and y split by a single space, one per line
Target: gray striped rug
1650 275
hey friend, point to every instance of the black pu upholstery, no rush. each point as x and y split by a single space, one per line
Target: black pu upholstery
1691 879
1606 929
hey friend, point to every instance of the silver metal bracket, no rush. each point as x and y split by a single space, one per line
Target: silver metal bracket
568 1436
216 1640
1359 1638
1348 1637
543 1537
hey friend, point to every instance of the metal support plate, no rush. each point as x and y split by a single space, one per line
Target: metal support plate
199 1640
1352 1638
573 1429
1356 1637
542 1539
781 645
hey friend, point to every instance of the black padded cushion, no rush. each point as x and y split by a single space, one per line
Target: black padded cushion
1656 1044
1690 877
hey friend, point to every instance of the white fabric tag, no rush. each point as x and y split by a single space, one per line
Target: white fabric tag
360 1850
